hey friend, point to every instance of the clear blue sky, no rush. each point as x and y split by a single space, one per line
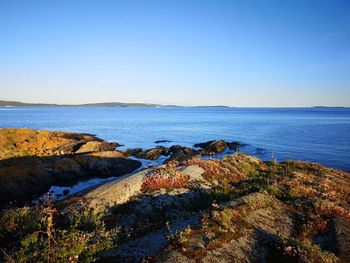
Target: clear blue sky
237 53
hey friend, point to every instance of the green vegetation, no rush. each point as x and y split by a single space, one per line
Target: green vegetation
40 234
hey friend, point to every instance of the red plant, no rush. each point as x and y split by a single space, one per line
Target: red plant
167 181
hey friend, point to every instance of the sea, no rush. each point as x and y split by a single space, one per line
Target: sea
319 135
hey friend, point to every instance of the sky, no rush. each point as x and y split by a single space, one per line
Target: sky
289 53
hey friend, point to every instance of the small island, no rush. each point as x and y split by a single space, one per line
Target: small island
193 207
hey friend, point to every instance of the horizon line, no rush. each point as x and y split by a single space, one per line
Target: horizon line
144 104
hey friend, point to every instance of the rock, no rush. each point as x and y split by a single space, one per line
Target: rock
203 145
107 154
177 152
162 141
65 192
106 164
195 174
29 142
31 161
112 193
66 165
23 177
96 146
153 154
180 153
213 146
131 152
217 146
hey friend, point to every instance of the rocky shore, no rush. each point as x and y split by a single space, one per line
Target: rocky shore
189 209
31 161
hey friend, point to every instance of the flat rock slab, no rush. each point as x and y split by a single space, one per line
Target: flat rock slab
112 193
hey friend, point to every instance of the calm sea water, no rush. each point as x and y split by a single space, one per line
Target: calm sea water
313 134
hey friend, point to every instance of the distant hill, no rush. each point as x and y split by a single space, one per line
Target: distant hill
4 103
321 107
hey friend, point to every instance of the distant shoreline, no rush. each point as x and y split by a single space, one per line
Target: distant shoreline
9 104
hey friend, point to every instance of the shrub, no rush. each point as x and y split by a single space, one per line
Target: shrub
38 237
18 222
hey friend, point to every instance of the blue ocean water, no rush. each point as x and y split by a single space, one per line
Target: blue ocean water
311 134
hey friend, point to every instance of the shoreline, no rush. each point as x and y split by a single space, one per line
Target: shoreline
86 166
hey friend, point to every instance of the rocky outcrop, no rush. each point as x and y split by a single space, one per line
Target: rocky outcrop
31 161
26 177
29 142
106 164
180 153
